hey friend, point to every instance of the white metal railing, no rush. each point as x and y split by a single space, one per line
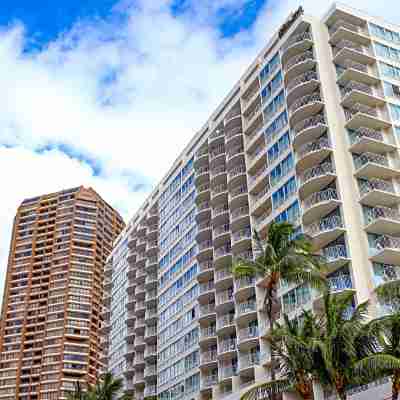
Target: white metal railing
387 242
374 213
343 24
248 333
235 151
220 169
205 245
209 380
225 320
203 188
357 135
366 158
206 309
310 147
204 225
245 307
208 356
219 189
302 101
208 332
296 39
238 191
222 251
227 372
244 282
303 78
223 273
360 108
340 282
356 86
368 185
324 225
207 287
316 171
227 345
319 197
310 122
220 210
249 359
260 172
202 170
237 130
238 212
299 58
224 297
203 206
239 170
221 229
242 234
249 116
333 253
205 266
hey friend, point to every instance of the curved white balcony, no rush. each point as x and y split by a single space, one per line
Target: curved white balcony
206 291
363 116
318 204
299 64
219 193
223 255
227 346
205 248
236 174
302 85
382 220
208 334
246 311
369 140
335 256
205 270
296 44
203 192
313 153
373 165
244 287
386 250
225 323
208 359
207 312
309 129
375 192
305 107
224 300
249 360
325 230
315 178
218 173
248 336
349 50
343 29
359 92
223 277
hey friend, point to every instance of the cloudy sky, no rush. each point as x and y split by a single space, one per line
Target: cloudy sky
107 93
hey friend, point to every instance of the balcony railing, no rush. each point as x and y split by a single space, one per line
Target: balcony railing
318 170
227 372
237 130
234 151
242 234
238 212
205 245
261 171
247 306
202 170
307 55
365 133
205 266
248 333
204 225
216 151
207 287
249 116
324 225
227 345
369 185
302 101
203 188
209 356
296 39
244 282
245 255
348 44
303 78
224 297
333 253
343 24
310 122
206 309
209 381
374 213
223 273
203 206
220 210
208 332
374 158
219 189
225 320
221 229
387 242
340 282
319 197
360 108
223 251
307 148
356 86
249 360
239 170
238 190
218 170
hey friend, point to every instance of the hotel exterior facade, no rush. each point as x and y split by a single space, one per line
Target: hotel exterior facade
310 134
51 315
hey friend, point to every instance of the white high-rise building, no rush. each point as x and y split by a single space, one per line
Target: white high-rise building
309 134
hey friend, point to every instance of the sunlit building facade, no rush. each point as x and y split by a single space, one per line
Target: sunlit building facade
310 135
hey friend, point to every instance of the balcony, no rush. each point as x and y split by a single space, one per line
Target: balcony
299 64
250 333
223 277
252 113
225 323
208 381
249 360
227 373
218 171
337 284
224 299
151 297
205 248
227 346
206 269
237 173
382 220
372 165
238 193
296 44
335 256
235 151
203 210
302 85
203 192
241 235
309 129
325 230
365 139
216 136
305 106
150 391
217 151
386 250
345 30
348 50
316 178
354 92
208 358
234 132
206 291
223 254
377 191
209 333
201 155
221 231
313 153
207 311
362 116
203 229
244 286
354 71
239 213
318 204
150 352
219 193
202 173
246 311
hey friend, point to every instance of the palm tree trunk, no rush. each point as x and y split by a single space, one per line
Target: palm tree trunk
269 300
395 385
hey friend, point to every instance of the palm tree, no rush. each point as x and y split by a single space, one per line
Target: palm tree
106 388
346 354
291 344
283 256
387 361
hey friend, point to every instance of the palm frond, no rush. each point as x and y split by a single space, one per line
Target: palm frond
266 390
388 290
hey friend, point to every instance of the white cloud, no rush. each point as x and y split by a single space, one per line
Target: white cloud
128 92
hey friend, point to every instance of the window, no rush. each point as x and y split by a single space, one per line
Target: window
279 147
389 71
276 104
272 86
276 126
394 112
384 33
284 192
391 90
291 214
281 170
270 67
387 52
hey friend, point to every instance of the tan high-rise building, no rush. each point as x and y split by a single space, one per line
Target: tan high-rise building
309 134
51 313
